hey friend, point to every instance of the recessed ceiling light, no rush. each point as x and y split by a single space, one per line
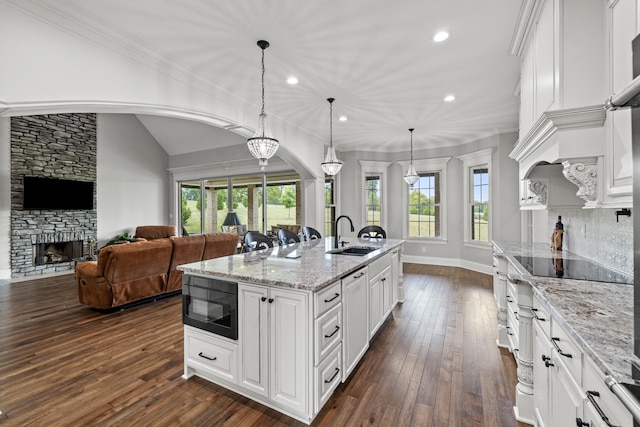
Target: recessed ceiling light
441 36
342 118
449 98
292 80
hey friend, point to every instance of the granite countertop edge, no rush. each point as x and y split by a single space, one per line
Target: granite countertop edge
314 281
589 322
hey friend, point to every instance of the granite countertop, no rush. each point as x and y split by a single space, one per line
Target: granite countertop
597 315
313 270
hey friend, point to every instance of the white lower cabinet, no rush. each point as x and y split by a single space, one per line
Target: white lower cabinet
274 330
569 389
601 402
214 357
541 364
355 338
327 376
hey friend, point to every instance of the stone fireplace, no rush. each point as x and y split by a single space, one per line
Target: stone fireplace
59 146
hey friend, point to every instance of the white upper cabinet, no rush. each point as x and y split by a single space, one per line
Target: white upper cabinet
574 54
622 27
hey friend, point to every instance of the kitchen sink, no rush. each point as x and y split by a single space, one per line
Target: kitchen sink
353 250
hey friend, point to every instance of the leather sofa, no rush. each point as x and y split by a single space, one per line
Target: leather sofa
130 272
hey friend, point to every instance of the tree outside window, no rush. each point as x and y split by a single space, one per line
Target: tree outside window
480 205
330 207
372 200
424 206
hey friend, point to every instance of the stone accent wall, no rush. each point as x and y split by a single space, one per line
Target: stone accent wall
54 146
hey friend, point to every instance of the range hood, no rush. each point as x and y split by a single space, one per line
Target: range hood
572 137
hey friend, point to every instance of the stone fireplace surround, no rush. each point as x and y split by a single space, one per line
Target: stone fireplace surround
55 146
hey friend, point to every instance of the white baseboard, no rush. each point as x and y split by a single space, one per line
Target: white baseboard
5 274
449 262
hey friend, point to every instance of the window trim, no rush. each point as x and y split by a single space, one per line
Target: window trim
368 166
476 160
438 164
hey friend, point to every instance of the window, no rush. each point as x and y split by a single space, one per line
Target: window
372 204
477 186
190 218
374 192
424 206
330 207
425 201
480 205
283 203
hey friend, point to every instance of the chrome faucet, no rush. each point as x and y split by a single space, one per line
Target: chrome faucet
335 242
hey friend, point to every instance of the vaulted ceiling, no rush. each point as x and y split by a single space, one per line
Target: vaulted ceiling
376 57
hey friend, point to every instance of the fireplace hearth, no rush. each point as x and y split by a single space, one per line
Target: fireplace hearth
57 252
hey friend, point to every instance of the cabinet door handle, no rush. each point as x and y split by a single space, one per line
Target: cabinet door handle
535 315
515 314
554 341
335 331
395 252
581 423
359 275
546 360
206 357
509 299
335 374
590 396
508 328
329 300
270 300
263 299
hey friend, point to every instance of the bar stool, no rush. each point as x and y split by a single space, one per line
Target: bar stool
372 232
286 237
254 241
311 233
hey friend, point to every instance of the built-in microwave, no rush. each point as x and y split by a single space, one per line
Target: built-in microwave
210 304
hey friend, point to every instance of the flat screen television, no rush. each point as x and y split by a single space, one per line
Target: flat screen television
58 194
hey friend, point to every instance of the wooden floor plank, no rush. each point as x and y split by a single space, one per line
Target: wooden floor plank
433 363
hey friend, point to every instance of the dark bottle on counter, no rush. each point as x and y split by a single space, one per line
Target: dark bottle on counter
556 237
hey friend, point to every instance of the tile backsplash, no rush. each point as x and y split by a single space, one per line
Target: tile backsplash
595 234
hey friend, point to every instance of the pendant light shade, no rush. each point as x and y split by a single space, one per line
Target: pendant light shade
263 145
411 177
331 164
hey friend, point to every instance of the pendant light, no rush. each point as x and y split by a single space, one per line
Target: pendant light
411 177
263 146
331 164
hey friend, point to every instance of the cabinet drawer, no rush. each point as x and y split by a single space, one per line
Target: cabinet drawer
541 317
327 376
328 331
565 346
379 264
593 381
327 298
215 356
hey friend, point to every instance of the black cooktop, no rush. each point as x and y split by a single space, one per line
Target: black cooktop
578 269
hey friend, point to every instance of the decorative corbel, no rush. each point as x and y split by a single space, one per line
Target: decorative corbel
538 189
583 175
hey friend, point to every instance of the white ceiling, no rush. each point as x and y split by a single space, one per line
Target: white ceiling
376 57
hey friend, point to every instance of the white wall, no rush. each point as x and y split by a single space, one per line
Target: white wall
133 182
505 206
5 197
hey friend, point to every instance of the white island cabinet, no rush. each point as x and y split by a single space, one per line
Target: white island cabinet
304 322
274 324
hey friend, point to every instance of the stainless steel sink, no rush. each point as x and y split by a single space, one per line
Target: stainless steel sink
353 250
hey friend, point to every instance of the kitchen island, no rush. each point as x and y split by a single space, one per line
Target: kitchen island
305 315
572 339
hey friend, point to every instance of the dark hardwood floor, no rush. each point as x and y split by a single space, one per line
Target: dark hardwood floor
435 363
